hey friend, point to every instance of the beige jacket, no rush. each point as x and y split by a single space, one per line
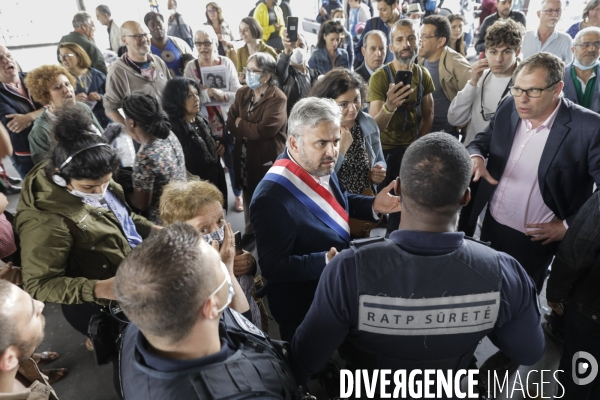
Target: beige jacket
39 389
122 80
454 70
114 36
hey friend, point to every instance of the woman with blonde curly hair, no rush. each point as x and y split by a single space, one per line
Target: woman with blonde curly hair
214 18
90 83
52 86
200 204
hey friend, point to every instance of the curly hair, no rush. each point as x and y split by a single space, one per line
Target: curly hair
219 13
40 80
146 111
175 95
504 33
182 201
83 60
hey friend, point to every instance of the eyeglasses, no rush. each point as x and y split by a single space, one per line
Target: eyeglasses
531 93
138 36
67 56
551 11
587 45
246 70
207 43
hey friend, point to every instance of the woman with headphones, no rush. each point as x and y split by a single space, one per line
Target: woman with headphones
73 222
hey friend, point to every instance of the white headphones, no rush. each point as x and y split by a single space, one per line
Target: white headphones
57 178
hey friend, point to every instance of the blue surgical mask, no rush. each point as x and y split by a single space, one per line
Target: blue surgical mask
253 80
585 67
217 235
230 287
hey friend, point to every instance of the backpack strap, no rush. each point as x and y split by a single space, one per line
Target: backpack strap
420 86
388 71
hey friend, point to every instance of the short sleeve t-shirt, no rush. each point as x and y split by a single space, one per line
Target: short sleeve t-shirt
397 133
440 116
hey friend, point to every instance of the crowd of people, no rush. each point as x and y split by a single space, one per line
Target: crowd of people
123 153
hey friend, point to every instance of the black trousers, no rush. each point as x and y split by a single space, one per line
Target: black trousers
464 224
534 257
393 159
581 334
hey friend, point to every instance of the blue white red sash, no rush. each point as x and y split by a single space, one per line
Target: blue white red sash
314 196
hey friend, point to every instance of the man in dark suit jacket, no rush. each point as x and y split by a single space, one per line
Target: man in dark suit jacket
295 224
565 165
543 158
374 52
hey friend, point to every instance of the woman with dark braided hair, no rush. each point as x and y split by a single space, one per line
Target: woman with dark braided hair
73 222
160 158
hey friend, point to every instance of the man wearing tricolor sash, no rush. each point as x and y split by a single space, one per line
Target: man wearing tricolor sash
301 214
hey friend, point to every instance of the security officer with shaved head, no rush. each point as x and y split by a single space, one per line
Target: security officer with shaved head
425 297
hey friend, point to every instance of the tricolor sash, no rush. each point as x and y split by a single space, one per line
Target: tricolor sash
314 196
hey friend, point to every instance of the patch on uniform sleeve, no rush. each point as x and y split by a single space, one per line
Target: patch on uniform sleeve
436 316
246 325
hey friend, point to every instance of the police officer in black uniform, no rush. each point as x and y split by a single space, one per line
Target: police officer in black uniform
184 342
424 298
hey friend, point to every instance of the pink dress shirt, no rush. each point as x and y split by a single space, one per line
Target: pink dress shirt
518 200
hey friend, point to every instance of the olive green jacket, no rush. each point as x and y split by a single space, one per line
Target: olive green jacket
67 245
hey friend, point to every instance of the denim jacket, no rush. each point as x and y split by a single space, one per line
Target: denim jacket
370 132
320 60
576 268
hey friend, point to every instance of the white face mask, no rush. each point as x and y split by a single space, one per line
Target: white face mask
228 281
89 196
217 235
299 56
172 11
585 67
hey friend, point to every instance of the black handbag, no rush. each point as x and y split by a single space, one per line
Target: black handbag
105 331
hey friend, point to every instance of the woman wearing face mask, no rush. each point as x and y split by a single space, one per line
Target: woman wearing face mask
328 54
362 165
251 33
52 86
270 17
160 158
345 39
73 222
294 76
90 83
257 119
220 99
200 204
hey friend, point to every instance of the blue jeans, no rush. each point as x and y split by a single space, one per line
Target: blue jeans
23 164
229 164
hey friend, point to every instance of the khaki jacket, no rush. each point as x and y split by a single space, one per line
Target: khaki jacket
39 389
454 70
67 245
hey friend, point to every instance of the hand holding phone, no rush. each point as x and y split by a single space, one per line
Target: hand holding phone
292 29
404 76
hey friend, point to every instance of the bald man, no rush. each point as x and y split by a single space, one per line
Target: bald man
137 71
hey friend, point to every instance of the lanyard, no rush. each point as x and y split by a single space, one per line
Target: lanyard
487 117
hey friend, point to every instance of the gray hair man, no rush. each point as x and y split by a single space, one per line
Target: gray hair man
83 35
581 82
301 214
104 16
547 38
374 52
182 328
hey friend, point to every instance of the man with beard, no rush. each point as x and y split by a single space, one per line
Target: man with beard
394 106
581 83
21 332
546 37
503 12
137 71
300 214
389 14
